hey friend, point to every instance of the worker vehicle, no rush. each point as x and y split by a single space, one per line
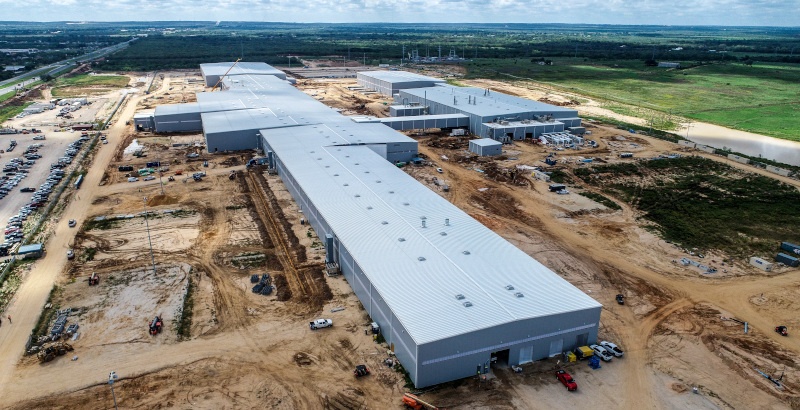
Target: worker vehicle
232 175
133 179
171 178
411 401
361 370
320 323
601 352
620 299
439 170
49 352
612 348
567 380
72 223
782 330
155 325
94 279
583 352
149 178
70 255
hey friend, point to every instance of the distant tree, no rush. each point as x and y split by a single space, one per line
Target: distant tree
651 63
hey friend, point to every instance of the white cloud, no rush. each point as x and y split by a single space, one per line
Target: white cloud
675 12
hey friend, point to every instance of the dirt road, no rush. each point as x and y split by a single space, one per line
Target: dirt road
32 294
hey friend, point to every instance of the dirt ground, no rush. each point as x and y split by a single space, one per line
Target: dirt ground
238 349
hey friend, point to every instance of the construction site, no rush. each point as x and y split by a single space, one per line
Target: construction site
195 274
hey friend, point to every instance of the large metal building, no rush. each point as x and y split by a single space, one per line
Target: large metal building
212 72
448 293
390 82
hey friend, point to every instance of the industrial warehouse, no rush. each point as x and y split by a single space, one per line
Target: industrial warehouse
391 236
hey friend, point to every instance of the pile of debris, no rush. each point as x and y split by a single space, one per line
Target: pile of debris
263 285
570 103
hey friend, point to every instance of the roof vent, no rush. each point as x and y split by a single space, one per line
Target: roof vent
406 203
443 233
459 296
378 181
423 224
401 239
465 252
346 184
391 192
467 304
509 287
336 175
358 196
446 221
366 172
357 163
369 207
519 295
384 223
421 259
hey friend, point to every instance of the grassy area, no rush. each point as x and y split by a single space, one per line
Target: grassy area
701 203
600 199
762 98
11 111
185 323
87 84
7 96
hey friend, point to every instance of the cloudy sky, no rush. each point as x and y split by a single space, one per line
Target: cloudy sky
673 12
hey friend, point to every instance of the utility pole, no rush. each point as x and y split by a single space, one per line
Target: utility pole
149 240
111 377
402 56
160 175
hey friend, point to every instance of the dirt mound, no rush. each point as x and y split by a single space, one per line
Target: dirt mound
162 200
282 290
303 359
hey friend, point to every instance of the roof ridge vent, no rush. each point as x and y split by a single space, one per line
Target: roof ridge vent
460 296
467 304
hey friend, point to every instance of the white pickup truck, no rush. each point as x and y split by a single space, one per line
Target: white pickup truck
320 323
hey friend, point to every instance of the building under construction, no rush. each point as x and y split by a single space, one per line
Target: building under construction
448 293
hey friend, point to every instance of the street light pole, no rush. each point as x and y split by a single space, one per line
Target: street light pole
149 240
160 175
111 377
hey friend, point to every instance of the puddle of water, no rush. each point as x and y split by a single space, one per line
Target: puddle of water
754 145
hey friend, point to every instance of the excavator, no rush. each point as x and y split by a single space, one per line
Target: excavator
224 75
413 402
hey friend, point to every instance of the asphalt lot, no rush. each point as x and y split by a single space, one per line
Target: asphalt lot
53 148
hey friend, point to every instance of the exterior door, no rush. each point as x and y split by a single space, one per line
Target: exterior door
556 347
526 355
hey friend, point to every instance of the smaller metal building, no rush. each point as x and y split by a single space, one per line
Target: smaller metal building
144 121
761 264
486 147
390 82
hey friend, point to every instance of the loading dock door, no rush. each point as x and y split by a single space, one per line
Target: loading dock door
556 347
526 355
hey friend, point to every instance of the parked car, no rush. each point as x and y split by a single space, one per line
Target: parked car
601 352
27 189
320 323
620 299
149 178
72 223
39 138
439 170
133 179
612 348
70 255
567 380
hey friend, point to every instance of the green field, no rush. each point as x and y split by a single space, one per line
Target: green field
702 203
11 111
763 98
87 84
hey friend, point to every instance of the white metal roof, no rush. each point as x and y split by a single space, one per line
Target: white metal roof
242 67
486 142
399 76
478 101
376 211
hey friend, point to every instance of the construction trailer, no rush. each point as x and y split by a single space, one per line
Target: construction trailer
787 260
790 248
760 263
32 251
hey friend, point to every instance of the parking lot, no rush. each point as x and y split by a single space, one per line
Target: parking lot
52 148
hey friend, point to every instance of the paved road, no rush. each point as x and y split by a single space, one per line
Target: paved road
21 84
12 82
